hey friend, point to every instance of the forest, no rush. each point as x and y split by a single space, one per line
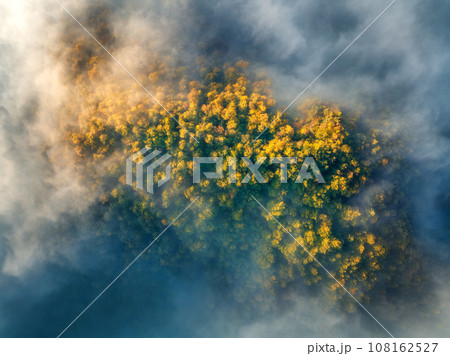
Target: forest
356 223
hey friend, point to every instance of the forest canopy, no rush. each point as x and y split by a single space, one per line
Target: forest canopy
355 223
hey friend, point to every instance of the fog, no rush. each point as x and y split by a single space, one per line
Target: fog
52 262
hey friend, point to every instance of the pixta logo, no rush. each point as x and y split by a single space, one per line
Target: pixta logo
143 159
308 164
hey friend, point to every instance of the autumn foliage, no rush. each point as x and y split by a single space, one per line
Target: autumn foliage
353 224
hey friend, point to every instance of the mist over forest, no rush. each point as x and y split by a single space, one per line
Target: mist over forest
376 123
